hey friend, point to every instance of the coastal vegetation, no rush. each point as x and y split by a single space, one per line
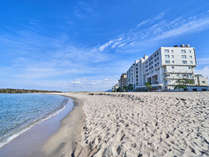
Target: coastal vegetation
10 90
128 88
183 83
148 86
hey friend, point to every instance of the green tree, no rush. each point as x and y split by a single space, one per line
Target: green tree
130 87
183 83
119 89
148 86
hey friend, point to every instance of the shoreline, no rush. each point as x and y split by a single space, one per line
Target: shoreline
66 141
37 133
30 126
131 124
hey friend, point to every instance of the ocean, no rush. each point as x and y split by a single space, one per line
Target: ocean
20 112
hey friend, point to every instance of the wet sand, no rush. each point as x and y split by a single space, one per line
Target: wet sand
66 142
30 143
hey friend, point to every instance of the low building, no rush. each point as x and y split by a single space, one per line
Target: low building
200 80
115 88
200 83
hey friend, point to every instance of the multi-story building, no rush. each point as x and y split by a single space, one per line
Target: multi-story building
165 67
130 74
123 81
140 73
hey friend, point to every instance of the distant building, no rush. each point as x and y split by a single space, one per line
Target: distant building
123 80
135 74
201 80
165 67
115 88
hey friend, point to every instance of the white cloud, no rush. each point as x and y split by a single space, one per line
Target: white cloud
102 47
76 82
67 66
121 45
157 29
61 65
151 20
187 27
142 23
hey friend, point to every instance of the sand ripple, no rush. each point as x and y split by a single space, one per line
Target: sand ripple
146 124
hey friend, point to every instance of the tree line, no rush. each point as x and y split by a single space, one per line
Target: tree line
181 84
10 90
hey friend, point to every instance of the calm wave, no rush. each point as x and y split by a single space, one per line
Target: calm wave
18 112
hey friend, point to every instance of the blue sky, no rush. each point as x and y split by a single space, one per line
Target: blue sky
75 45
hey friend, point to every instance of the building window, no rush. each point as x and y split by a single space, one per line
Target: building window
189 67
183 56
172 51
173 67
172 56
167 56
167 62
173 62
185 75
167 50
184 62
183 51
190 57
191 62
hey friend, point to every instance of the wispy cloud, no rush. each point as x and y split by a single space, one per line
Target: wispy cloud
158 28
187 27
40 60
56 64
142 23
111 43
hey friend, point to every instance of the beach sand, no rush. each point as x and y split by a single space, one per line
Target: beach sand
134 125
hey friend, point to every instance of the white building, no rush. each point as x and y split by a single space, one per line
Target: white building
123 81
131 78
165 67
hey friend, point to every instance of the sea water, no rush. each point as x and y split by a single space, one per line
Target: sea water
20 112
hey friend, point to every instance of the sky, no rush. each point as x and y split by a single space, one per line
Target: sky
84 45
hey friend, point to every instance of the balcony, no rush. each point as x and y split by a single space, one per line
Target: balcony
173 72
177 78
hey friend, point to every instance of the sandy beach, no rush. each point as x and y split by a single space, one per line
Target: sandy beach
134 125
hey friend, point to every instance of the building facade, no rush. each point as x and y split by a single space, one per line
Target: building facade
165 68
123 81
130 74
